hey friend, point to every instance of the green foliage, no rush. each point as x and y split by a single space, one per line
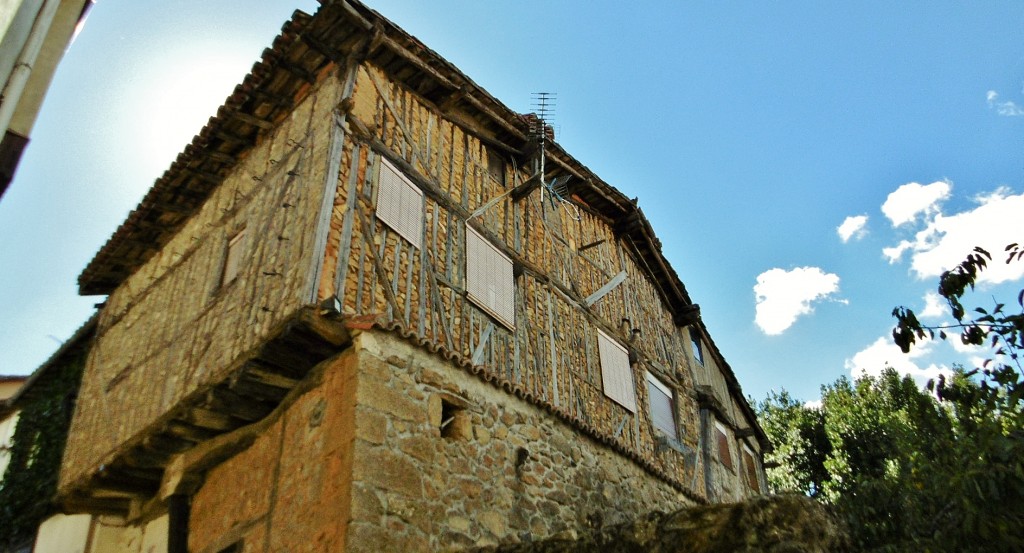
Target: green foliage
30 482
940 469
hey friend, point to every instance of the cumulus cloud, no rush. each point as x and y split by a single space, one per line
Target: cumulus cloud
1006 109
934 306
945 240
909 201
884 353
783 296
853 227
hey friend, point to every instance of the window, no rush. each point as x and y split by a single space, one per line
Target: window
496 167
489 280
233 259
698 351
663 406
399 203
724 455
750 467
616 374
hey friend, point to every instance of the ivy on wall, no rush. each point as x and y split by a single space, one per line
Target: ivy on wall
30 482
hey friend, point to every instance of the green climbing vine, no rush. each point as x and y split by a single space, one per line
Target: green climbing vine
30 482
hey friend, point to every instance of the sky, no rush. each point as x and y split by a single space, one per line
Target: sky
808 166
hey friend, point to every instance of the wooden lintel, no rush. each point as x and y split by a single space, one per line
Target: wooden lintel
331 331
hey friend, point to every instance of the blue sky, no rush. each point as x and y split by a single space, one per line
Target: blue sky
751 132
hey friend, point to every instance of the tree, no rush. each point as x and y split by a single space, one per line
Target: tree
940 469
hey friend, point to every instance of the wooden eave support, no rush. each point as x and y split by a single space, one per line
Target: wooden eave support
250 119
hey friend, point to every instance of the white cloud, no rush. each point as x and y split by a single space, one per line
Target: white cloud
934 306
1006 109
913 199
947 239
813 404
853 227
884 353
783 296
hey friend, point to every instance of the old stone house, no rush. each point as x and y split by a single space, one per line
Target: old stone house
356 314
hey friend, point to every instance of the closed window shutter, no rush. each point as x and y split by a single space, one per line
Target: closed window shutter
616 374
399 203
233 259
662 406
751 465
724 454
489 278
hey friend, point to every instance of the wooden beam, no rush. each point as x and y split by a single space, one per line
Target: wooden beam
601 292
251 120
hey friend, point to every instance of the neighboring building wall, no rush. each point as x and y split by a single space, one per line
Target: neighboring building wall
7 428
362 462
171 327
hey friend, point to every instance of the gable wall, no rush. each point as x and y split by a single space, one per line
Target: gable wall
170 328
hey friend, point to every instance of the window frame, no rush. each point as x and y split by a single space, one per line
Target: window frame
615 366
698 347
480 292
396 207
653 380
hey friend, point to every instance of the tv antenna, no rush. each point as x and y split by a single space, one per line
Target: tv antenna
540 126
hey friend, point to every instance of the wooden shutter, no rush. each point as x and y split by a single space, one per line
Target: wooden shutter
616 374
489 280
399 203
233 258
750 464
662 401
724 454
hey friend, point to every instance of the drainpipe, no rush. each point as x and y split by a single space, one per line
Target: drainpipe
23 68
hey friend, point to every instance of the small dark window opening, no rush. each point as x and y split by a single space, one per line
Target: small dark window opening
698 351
454 421
496 167
233 548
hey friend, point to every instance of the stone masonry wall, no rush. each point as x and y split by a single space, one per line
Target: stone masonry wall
501 470
171 328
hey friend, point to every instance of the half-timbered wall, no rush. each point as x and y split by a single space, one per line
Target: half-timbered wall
574 275
173 327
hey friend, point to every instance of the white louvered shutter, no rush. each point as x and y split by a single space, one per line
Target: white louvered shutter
616 374
489 280
399 203
662 406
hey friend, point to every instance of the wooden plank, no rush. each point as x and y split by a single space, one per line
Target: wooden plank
323 220
553 353
485 336
345 244
603 291
377 263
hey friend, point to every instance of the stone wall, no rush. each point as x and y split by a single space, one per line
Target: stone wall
365 461
172 327
444 460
